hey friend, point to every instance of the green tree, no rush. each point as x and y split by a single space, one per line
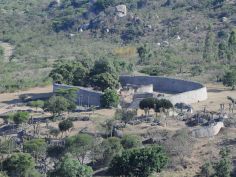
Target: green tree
70 94
65 125
110 98
209 50
232 46
63 72
131 141
153 103
19 165
80 145
207 170
229 79
80 75
224 167
196 70
104 80
144 53
70 167
37 104
103 66
36 147
147 103
162 104
222 52
140 162
1 52
57 105
110 148
21 117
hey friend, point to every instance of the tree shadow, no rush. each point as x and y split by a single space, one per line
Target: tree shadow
29 97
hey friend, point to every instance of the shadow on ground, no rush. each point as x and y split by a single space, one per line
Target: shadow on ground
28 97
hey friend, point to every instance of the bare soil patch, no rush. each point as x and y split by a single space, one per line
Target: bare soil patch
217 94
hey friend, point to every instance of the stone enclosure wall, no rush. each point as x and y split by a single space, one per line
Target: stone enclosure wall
86 97
182 91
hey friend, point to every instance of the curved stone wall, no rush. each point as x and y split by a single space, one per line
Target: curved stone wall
86 96
183 91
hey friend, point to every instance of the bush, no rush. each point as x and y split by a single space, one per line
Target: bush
131 141
140 162
229 79
196 70
110 98
21 117
65 125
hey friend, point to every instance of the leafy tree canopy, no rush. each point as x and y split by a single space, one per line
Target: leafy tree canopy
140 162
70 167
110 98
19 164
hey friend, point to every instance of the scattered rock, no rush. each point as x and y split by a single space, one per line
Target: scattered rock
225 19
121 10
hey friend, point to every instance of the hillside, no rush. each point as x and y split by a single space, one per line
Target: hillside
171 32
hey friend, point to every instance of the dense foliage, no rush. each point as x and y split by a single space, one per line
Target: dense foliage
109 99
68 166
156 104
20 164
140 162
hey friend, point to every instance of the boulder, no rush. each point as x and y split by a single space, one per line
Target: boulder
118 133
121 10
208 131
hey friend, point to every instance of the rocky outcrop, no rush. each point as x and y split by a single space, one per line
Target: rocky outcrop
208 131
121 10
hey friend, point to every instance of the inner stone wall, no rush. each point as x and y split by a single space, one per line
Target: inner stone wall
184 91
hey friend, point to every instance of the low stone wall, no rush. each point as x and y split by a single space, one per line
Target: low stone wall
208 131
86 97
183 91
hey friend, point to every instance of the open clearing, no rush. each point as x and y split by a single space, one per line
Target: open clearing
8 50
217 94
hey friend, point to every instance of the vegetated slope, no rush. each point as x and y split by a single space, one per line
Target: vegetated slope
174 32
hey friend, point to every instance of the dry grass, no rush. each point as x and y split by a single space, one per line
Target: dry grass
217 94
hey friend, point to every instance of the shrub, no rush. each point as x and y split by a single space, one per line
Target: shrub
140 162
131 141
110 98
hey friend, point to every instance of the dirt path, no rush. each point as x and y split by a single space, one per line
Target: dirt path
8 50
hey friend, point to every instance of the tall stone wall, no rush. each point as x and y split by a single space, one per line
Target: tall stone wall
183 91
86 97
